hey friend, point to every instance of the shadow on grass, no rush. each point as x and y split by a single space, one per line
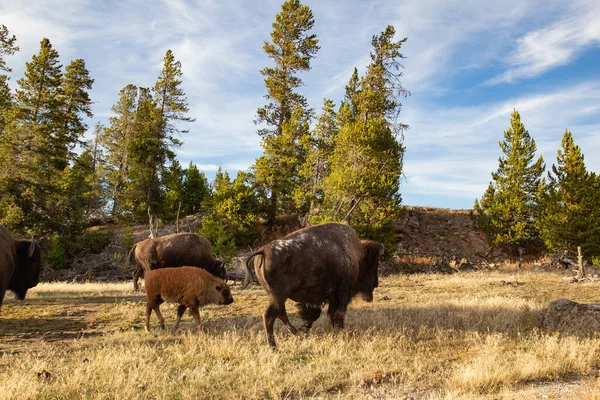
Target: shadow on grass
15 332
408 320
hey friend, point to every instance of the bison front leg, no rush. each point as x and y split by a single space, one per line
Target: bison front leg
337 315
153 304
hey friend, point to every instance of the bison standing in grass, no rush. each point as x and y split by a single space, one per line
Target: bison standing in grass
189 286
175 250
20 264
321 264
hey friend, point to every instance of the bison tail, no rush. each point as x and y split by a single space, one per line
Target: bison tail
131 256
247 273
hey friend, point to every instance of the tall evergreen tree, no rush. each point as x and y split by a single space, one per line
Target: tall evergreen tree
366 163
173 181
509 206
7 47
170 98
30 167
569 214
148 155
319 147
76 104
285 119
116 140
196 190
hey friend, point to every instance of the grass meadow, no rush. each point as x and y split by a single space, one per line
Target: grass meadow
464 336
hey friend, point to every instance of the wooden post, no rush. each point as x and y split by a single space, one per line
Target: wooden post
581 272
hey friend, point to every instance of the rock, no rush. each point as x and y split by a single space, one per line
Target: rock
569 317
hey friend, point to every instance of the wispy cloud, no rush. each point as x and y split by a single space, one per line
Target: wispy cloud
556 45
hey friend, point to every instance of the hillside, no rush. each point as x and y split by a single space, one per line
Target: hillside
429 239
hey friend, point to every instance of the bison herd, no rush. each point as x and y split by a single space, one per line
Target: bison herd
314 266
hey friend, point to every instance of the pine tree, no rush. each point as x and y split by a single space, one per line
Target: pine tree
170 98
76 104
366 163
148 155
569 214
30 167
509 207
173 180
319 147
238 207
7 47
116 142
221 186
196 190
285 119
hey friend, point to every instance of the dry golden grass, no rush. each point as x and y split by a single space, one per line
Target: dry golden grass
434 337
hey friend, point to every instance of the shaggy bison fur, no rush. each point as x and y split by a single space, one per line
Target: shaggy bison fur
321 264
191 287
175 250
20 264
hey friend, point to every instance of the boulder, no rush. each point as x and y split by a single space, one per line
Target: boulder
569 317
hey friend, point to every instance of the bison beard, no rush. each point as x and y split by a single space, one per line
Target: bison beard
321 264
172 251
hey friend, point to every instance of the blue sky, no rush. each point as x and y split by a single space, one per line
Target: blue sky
469 63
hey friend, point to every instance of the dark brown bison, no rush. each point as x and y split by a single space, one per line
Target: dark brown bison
189 286
174 250
321 264
20 264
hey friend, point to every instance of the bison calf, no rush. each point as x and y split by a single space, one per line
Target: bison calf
189 286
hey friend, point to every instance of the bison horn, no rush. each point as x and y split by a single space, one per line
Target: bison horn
31 248
382 250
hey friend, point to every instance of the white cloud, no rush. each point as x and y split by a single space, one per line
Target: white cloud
555 45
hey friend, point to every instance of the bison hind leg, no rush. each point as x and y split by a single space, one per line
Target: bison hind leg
180 311
136 276
309 314
276 309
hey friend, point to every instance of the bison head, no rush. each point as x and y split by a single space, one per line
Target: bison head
27 268
219 270
368 276
225 293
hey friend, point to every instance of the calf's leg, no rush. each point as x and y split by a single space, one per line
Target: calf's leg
180 312
196 313
152 304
